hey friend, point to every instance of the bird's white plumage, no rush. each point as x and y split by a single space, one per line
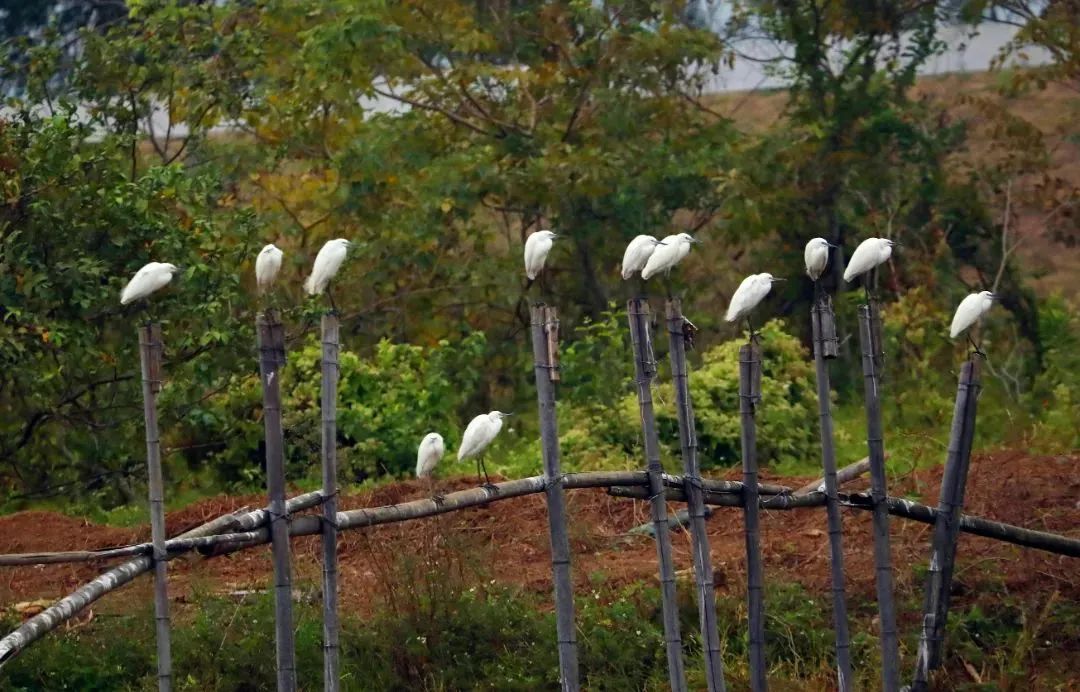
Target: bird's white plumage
670 252
429 453
327 263
147 280
479 434
870 253
970 310
637 254
816 256
267 266
748 295
537 247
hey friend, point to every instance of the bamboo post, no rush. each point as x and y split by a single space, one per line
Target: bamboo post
330 375
871 356
823 323
749 395
644 371
946 525
545 340
150 347
271 358
703 572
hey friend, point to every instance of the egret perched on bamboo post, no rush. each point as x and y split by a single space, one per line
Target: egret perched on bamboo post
428 454
969 312
667 253
537 247
748 296
327 264
870 254
637 255
816 256
150 278
478 436
267 266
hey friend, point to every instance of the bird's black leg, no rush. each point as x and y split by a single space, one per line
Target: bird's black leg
487 481
667 283
978 351
330 295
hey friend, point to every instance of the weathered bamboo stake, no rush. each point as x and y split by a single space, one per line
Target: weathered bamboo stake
703 571
890 652
545 340
644 371
271 359
330 373
824 331
941 531
749 376
150 347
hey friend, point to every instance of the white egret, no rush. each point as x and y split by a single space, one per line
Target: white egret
871 253
637 254
669 252
537 247
150 278
968 313
327 264
478 436
267 266
429 453
748 296
816 256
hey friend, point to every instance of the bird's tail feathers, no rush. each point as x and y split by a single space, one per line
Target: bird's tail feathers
309 285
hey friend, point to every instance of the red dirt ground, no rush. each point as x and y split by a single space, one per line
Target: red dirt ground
511 537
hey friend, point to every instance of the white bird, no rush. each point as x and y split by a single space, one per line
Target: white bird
748 296
637 254
478 436
429 453
870 253
327 263
267 266
669 252
537 247
147 280
816 256
968 313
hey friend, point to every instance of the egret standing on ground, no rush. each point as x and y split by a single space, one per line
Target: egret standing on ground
537 247
429 453
871 253
327 263
267 266
637 255
748 296
478 436
147 280
971 309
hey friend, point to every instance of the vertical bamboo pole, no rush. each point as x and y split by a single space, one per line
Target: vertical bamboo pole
330 374
271 358
150 347
749 394
946 525
890 653
644 371
703 571
823 324
545 339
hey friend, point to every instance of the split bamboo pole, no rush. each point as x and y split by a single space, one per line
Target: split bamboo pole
545 340
150 347
271 358
678 335
644 371
331 370
749 395
824 334
871 357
